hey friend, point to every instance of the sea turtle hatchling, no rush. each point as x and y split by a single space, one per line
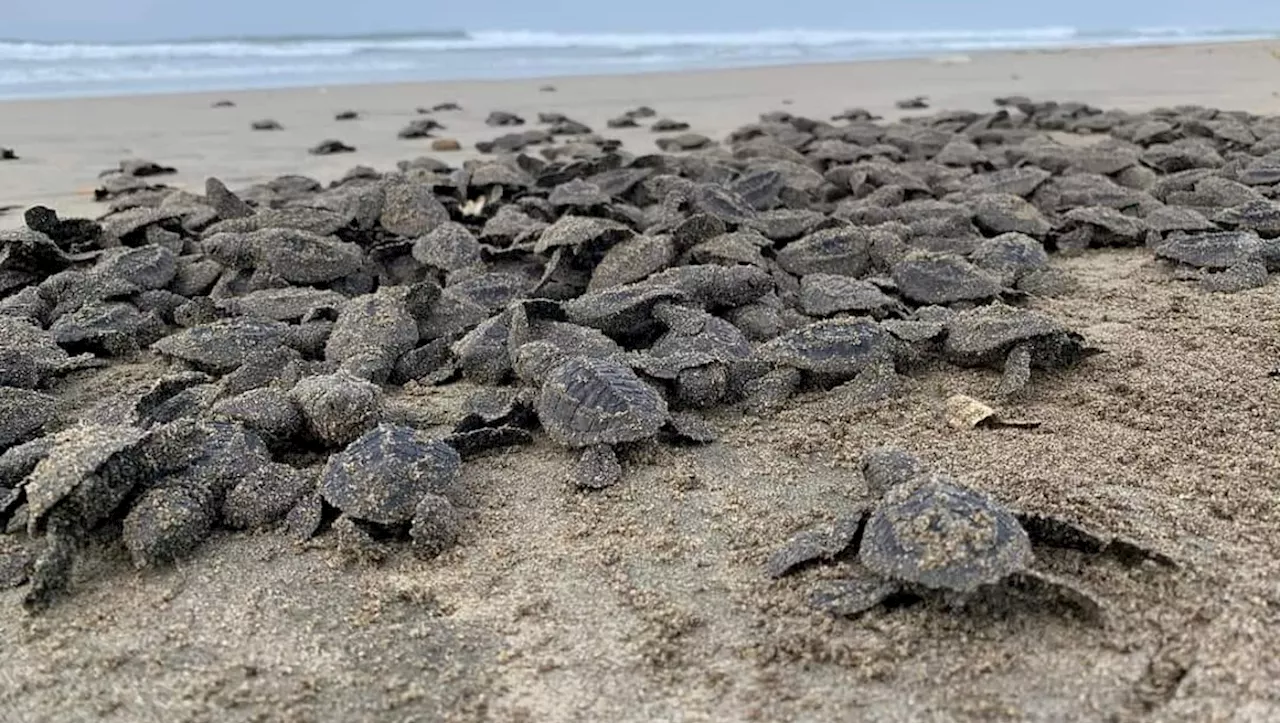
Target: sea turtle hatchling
593 404
82 476
1018 339
927 535
394 476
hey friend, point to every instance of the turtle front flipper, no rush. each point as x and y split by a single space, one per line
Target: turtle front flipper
821 544
853 596
1045 589
1017 371
52 571
597 468
1056 532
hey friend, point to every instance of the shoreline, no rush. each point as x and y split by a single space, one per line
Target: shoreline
942 58
63 144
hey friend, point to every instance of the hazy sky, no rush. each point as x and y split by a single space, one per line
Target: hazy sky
153 19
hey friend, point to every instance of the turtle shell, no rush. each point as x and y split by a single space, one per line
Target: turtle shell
940 535
383 475
587 401
77 454
841 347
984 335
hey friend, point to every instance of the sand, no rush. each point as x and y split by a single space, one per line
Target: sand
647 601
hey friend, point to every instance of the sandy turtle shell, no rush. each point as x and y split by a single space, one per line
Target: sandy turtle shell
939 535
586 402
841 347
383 475
932 278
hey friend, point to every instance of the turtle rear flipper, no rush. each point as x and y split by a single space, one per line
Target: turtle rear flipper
1017 371
853 596
1046 589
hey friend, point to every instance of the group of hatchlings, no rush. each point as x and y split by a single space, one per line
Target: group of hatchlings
182 472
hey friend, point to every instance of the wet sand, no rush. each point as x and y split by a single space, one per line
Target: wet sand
647 601
64 144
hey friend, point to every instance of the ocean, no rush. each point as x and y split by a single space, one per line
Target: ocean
33 70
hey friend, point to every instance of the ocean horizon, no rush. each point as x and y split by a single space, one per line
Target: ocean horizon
31 69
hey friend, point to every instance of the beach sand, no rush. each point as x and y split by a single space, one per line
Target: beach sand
647 601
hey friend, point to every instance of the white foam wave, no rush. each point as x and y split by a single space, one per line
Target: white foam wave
886 41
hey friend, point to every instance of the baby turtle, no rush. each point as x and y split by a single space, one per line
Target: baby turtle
394 476
87 471
927 535
594 404
1019 339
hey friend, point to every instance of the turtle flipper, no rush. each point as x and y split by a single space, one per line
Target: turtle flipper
52 571
1057 532
1049 590
597 468
853 596
820 544
1017 371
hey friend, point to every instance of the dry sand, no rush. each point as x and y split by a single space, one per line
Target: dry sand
646 601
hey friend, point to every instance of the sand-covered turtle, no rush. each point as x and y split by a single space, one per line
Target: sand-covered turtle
594 404
1016 339
394 476
30 357
79 478
943 278
926 535
704 357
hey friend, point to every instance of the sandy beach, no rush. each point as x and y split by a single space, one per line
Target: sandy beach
64 144
646 601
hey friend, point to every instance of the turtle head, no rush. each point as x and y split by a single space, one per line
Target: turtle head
884 468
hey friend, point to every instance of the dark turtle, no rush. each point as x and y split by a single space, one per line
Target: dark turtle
8 154
1092 226
842 250
918 102
266 124
704 357
293 303
503 118
926 535
394 476
683 142
1227 260
632 260
294 255
372 332
222 346
830 294
174 513
82 476
594 404
23 413
942 278
337 408
419 128
1261 216
1010 257
449 247
30 357
667 125
330 147
997 213
833 351
1017 339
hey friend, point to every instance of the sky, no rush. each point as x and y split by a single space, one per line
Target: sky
130 20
